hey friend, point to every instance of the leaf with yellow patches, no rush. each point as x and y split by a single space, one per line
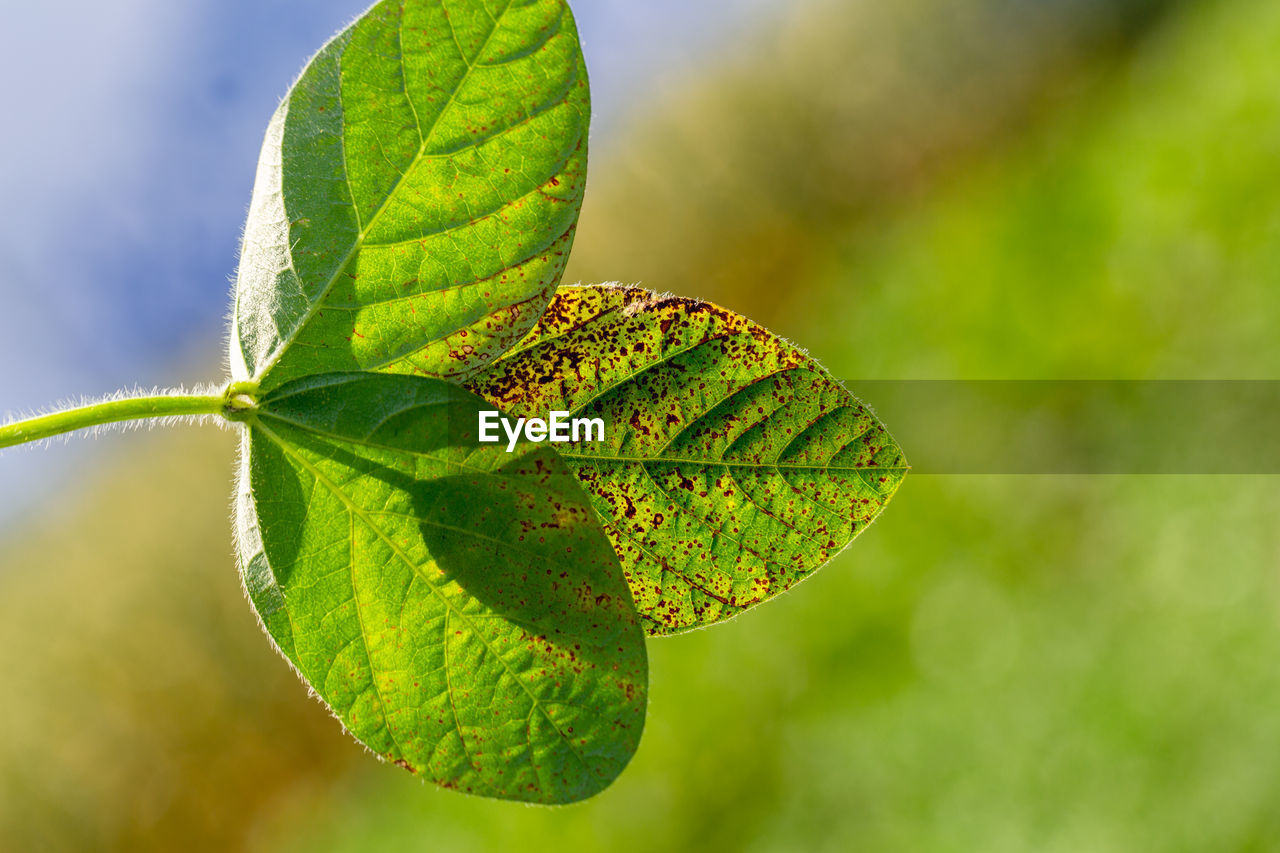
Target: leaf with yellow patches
734 465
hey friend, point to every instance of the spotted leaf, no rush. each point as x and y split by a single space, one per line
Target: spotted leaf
733 465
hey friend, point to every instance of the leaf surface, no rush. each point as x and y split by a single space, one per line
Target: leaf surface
733 465
417 193
456 606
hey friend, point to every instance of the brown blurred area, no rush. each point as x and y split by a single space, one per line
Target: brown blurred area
145 709
733 177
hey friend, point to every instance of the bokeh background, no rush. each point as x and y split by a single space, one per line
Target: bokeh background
924 189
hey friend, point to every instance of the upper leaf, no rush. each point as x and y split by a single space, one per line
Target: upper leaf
417 194
734 464
456 606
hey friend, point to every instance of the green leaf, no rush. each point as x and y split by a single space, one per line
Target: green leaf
734 465
417 194
457 606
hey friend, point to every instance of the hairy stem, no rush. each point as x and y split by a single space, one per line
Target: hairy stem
230 404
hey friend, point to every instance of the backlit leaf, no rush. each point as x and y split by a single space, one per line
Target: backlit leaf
457 606
733 466
417 193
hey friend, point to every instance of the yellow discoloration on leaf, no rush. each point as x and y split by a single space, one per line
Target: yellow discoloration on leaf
735 466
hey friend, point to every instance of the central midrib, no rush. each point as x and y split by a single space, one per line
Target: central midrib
719 463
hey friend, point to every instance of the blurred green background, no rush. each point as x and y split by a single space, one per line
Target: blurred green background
923 189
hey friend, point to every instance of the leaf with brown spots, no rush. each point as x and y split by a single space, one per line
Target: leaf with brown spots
733 466
417 194
457 606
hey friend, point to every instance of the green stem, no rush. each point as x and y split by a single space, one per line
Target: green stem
115 411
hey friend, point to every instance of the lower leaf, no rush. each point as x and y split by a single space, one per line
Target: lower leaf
456 606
